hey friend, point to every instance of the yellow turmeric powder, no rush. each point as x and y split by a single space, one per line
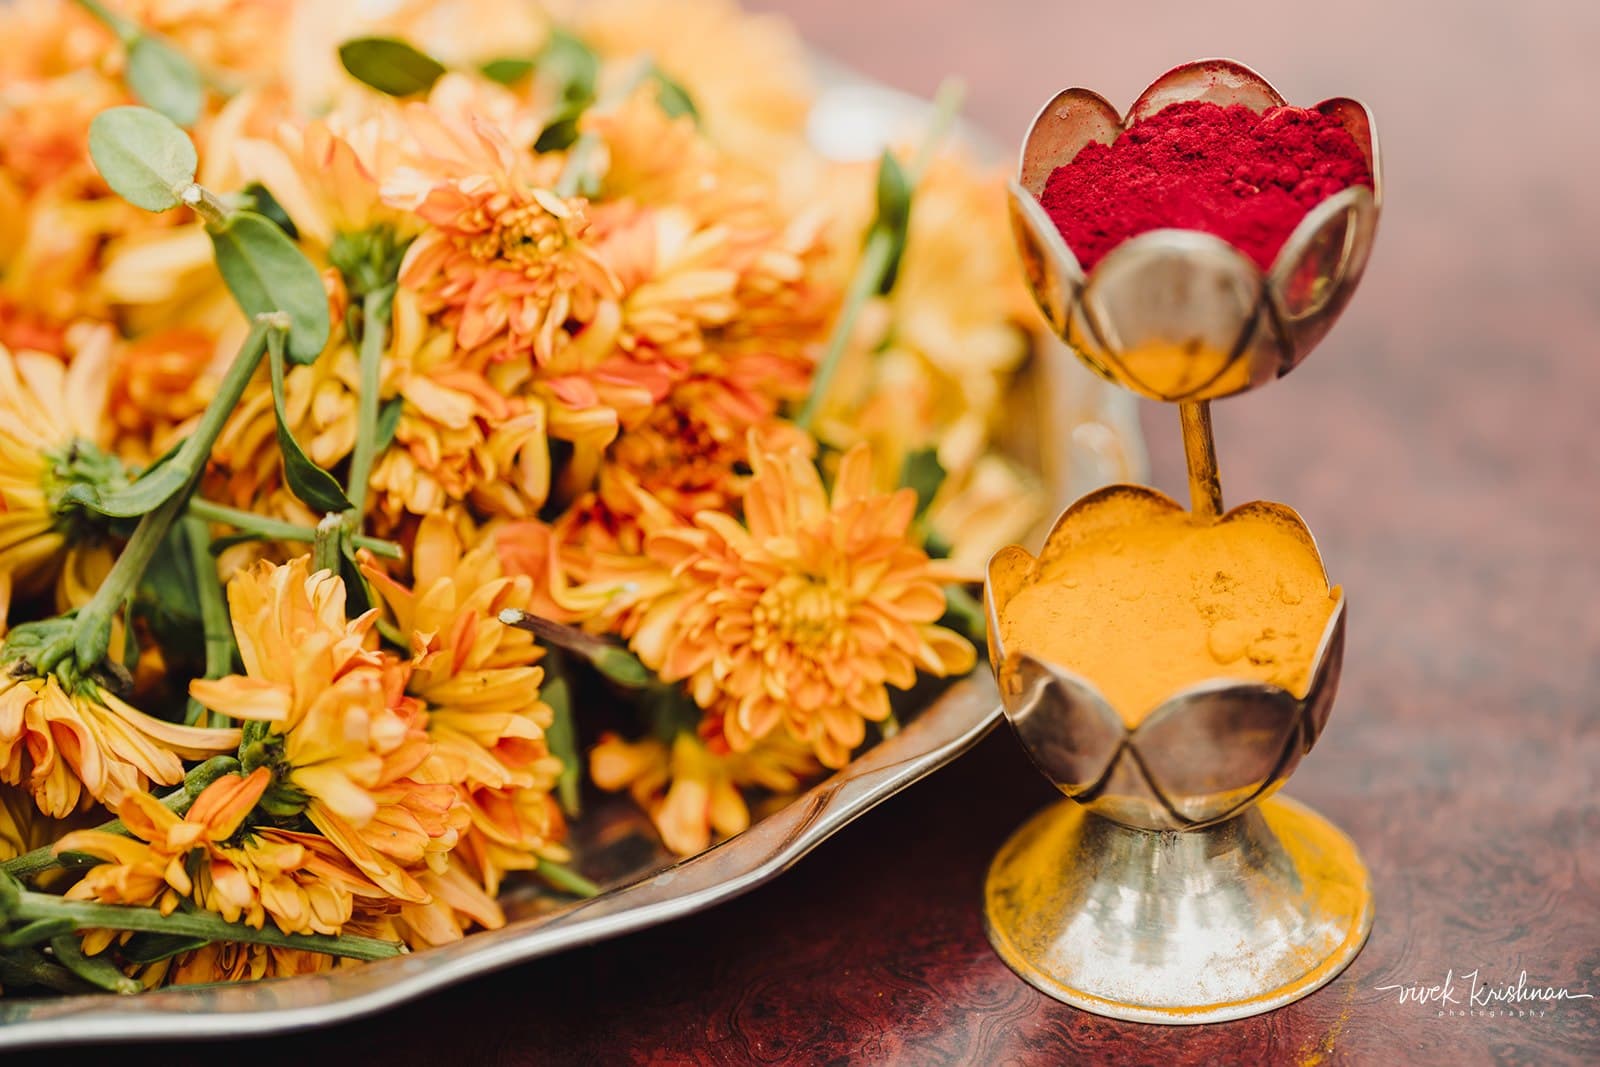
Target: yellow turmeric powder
1144 602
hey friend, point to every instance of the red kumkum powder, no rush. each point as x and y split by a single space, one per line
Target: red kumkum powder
1247 178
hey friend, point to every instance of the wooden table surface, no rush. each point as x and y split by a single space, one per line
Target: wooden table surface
1442 443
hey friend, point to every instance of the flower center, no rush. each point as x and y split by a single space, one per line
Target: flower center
801 611
523 235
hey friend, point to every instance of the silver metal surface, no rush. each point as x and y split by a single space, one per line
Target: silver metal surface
951 725
1180 315
1179 928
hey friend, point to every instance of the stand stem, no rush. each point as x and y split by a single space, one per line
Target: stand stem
1200 449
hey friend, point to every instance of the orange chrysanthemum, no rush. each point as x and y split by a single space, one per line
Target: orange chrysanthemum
345 738
804 615
479 681
504 259
208 856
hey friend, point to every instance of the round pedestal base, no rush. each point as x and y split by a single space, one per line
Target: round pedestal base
1181 928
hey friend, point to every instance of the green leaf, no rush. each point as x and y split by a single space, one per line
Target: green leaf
267 206
558 136
267 273
673 97
571 67
562 736
894 214
390 66
153 948
142 495
923 472
96 970
357 598
388 423
145 158
507 71
166 601
319 489
571 70
165 79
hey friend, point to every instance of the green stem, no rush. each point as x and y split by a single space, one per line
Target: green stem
374 340
26 968
566 879
203 202
92 630
946 105
877 256
87 915
96 971
325 554
127 32
562 737
615 663
91 633
968 612
393 634
867 280
213 610
278 530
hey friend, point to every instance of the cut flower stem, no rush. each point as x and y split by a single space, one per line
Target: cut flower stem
87 915
278 530
877 256
92 629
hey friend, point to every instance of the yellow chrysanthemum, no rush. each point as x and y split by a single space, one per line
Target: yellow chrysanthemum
806 613
691 789
233 961
70 749
339 728
22 827
325 175
53 419
479 680
457 902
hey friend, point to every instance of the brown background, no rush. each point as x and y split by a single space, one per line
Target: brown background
1442 444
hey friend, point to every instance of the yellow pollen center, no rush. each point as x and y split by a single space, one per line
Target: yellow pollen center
523 234
801 611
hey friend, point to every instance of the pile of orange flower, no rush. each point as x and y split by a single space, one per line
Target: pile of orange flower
636 445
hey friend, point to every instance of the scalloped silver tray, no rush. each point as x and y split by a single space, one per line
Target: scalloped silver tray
948 727
1080 432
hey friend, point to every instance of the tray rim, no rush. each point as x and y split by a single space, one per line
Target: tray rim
953 723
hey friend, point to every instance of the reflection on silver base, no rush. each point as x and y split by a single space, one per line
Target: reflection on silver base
1186 927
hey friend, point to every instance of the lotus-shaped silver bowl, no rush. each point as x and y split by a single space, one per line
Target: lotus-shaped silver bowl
1171 887
1208 752
1180 315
